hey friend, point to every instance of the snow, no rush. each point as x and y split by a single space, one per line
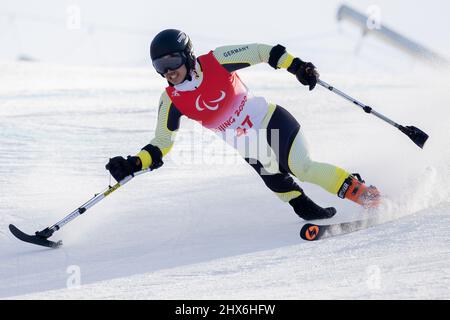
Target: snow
204 225
379 263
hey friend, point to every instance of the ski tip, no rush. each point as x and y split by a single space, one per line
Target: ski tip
310 232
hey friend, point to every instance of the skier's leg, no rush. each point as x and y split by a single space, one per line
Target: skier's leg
286 139
293 156
266 162
325 175
332 178
284 186
281 184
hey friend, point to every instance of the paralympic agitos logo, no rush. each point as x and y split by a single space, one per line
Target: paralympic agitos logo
200 104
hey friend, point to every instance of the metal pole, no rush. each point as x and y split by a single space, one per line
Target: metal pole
82 209
366 108
415 134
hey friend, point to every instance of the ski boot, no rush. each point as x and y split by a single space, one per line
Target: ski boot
306 209
355 190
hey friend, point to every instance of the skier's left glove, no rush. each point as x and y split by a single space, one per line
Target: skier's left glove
119 167
305 72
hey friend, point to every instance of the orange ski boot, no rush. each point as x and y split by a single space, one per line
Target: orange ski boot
355 190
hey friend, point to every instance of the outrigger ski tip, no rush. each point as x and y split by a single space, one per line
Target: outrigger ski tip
36 239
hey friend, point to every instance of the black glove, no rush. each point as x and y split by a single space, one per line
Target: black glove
305 72
120 167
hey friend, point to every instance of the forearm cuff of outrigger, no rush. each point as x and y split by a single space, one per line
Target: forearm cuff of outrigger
151 157
275 55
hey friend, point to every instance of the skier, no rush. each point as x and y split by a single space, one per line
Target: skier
207 89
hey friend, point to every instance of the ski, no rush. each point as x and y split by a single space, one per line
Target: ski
36 239
313 232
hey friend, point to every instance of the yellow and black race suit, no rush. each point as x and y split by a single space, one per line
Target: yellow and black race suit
289 147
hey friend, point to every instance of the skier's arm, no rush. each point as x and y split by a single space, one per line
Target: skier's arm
241 56
168 123
236 57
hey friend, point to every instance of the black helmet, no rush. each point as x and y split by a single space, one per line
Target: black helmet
170 41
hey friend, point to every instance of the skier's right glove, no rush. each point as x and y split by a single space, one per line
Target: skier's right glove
119 167
305 72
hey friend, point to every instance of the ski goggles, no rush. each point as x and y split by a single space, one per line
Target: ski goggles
169 62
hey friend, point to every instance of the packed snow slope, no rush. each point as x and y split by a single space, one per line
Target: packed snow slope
205 220
204 225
